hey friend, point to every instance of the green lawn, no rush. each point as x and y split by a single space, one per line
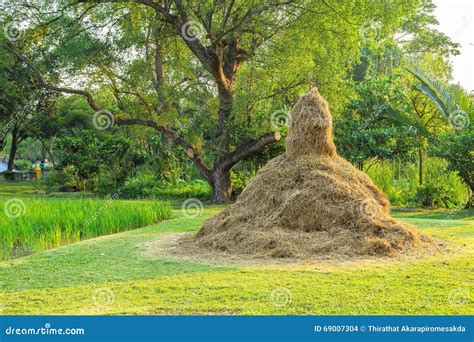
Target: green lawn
23 188
111 275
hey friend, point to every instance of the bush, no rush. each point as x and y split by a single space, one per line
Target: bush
92 155
23 165
57 179
240 180
399 181
430 195
147 186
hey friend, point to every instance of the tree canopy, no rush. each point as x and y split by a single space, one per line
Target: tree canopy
214 79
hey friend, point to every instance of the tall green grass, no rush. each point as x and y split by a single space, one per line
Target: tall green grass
29 225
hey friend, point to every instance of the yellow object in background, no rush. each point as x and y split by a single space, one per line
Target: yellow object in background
38 172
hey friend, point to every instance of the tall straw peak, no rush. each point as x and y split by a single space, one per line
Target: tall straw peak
310 127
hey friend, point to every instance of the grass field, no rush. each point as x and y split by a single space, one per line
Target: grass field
113 275
18 188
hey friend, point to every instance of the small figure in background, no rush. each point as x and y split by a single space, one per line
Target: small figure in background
42 166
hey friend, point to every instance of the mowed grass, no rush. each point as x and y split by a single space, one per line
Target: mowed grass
29 225
23 188
113 275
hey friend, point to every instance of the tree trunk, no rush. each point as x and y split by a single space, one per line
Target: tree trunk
221 186
43 152
222 133
470 201
13 150
420 166
51 158
46 150
220 175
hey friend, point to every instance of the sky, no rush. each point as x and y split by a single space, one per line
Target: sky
456 20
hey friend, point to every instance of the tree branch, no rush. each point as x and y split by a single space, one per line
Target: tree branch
43 84
247 148
192 153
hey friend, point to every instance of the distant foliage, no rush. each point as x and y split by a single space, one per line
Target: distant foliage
457 149
370 126
148 186
94 160
399 180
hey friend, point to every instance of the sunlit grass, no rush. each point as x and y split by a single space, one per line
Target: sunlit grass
24 188
64 280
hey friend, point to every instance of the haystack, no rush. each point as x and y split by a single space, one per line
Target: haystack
309 202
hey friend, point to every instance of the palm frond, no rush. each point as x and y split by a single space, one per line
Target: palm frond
447 98
435 90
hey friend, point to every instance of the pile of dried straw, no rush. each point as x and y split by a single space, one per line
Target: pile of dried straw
309 202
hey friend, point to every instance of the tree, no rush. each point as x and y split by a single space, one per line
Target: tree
423 109
23 106
188 69
418 34
415 39
451 100
89 153
373 127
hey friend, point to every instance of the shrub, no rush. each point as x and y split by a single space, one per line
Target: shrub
399 181
430 195
239 181
91 154
57 179
147 186
23 165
